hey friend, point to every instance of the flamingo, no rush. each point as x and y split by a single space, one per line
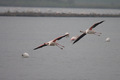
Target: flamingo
89 31
53 42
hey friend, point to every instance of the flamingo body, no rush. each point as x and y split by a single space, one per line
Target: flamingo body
51 43
88 31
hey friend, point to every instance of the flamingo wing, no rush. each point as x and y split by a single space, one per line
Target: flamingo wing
95 25
79 38
59 38
40 46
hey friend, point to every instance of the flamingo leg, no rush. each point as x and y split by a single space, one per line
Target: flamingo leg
97 33
60 45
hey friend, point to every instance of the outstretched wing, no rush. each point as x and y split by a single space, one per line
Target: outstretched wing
95 25
60 37
43 45
79 38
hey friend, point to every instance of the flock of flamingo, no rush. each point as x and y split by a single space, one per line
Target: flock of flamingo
74 39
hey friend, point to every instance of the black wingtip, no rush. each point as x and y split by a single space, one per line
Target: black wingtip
35 48
102 21
74 42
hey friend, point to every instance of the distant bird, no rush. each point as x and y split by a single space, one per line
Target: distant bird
107 39
89 31
53 42
25 55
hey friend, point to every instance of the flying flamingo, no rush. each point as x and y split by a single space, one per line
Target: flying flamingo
53 42
89 31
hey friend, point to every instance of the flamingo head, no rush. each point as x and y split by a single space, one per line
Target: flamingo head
67 34
73 38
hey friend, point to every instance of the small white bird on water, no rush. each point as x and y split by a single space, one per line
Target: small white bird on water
53 42
25 55
89 31
107 39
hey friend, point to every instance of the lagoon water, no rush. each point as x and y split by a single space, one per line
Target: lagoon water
91 58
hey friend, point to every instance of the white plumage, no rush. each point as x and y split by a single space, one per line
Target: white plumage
25 55
107 39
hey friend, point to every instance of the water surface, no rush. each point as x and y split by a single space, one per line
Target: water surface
91 58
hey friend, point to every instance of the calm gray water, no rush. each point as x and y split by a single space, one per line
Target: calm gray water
89 59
